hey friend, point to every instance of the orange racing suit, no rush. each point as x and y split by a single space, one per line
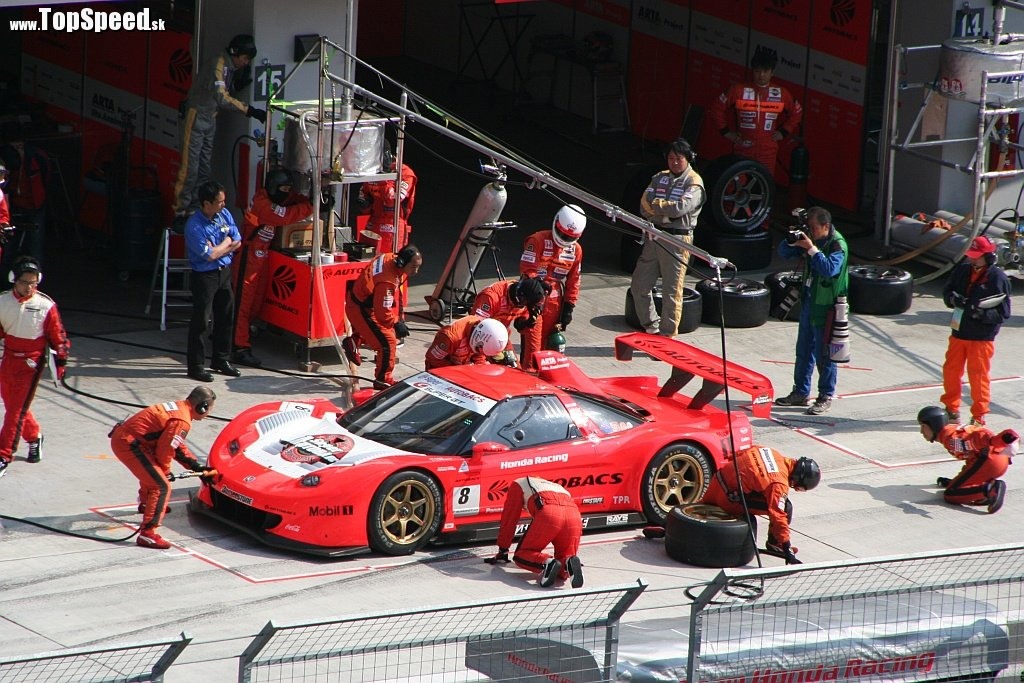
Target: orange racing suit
493 301
28 327
985 460
756 113
765 475
372 309
556 520
380 198
250 274
146 443
451 345
560 268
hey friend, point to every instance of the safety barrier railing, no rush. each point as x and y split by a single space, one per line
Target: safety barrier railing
950 616
132 663
557 637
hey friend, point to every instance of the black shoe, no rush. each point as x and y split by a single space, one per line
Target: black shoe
943 481
995 500
201 375
3 467
244 356
552 568
226 368
35 450
793 399
575 569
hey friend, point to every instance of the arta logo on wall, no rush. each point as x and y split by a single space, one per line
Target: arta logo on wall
282 283
180 66
842 11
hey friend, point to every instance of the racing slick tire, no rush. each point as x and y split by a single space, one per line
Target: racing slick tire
744 303
692 309
880 290
678 475
750 251
405 513
740 194
779 284
708 536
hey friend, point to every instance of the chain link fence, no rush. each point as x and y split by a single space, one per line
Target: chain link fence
136 663
533 639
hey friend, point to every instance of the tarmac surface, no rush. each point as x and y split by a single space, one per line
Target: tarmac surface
877 498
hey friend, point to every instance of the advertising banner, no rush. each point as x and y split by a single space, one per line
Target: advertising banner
657 67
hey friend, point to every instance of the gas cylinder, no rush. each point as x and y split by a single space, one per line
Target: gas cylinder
556 341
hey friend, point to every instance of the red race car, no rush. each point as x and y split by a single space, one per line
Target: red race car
430 459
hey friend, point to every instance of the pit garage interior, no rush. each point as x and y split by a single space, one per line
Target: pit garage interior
513 70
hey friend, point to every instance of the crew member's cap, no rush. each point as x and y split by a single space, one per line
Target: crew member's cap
981 246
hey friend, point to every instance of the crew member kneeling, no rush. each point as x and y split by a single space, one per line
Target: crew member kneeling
986 457
556 520
765 476
468 340
147 442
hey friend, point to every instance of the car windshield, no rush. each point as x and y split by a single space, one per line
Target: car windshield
422 414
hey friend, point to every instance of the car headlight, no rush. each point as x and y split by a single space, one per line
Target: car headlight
233 447
310 480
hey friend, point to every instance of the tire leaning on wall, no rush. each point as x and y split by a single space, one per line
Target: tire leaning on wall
708 536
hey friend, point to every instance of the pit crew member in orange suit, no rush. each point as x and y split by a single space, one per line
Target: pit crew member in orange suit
273 206
471 339
30 325
5 207
555 257
766 477
986 457
513 303
147 442
371 307
556 520
378 200
755 116
978 291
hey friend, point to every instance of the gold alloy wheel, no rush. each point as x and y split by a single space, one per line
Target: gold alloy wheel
678 481
408 513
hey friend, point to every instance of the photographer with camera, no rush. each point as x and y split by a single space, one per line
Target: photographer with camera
978 291
826 258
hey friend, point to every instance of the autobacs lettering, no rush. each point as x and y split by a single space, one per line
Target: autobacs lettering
590 480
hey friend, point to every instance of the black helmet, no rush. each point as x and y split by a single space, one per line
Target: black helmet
529 292
935 417
276 180
242 44
806 474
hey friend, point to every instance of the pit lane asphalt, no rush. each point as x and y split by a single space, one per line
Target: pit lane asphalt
877 496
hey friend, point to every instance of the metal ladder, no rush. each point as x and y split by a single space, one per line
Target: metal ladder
162 269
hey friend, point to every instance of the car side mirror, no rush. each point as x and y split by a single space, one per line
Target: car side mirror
488 448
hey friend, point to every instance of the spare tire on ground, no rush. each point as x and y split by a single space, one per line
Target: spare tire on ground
880 290
751 251
780 284
744 303
708 536
740 194
692 309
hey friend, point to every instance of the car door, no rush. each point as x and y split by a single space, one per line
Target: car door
526 435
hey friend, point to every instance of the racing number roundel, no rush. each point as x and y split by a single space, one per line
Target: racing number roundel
312 448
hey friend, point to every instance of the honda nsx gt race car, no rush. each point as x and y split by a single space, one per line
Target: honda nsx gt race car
430 459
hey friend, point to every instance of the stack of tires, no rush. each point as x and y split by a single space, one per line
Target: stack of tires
692 309
736 303
880 290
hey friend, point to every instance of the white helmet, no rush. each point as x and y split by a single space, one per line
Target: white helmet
489 337
568 225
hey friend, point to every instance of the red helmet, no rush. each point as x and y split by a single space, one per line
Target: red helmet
568 226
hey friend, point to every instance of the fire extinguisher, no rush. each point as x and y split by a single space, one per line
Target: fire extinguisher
556 340
799 170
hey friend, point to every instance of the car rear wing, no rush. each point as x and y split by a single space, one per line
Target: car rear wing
688 361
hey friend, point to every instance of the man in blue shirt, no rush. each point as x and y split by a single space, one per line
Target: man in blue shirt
826 258
211 237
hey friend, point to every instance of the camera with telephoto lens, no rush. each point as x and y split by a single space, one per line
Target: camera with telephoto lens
798 226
